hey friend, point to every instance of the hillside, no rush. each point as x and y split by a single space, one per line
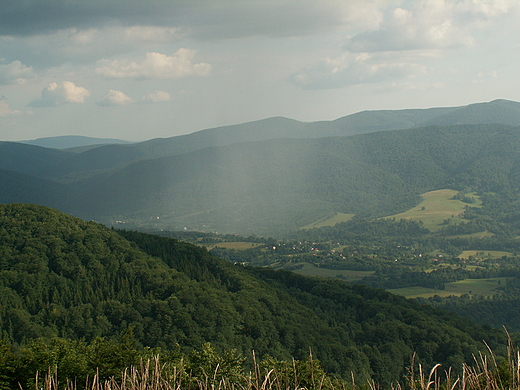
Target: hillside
61 276
277 175
29 159
495 112
269 186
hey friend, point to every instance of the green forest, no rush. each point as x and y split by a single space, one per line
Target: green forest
79 294
346 249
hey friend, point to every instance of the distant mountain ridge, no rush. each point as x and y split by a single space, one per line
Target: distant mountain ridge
71 141
275 174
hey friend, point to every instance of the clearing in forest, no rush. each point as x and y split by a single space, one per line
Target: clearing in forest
436 208
484 255
329 221
484 287
308 269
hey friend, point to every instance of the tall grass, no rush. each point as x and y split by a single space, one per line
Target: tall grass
486 373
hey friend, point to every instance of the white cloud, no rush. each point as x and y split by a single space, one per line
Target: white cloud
485 76
350 69
56 94
5 110
115 98
150 34
431 24
157 96
157 66
16 73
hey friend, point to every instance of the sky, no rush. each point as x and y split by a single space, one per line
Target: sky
142 69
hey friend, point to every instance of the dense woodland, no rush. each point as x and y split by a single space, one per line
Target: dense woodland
67 282
82 297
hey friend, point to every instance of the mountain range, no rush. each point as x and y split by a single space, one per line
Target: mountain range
275 174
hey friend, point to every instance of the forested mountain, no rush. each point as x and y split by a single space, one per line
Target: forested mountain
61 276
29 159
260 187
233 179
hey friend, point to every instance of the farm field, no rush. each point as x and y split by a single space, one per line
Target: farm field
484 287
239 246
484 255
330 221
479 235
436 207
308 269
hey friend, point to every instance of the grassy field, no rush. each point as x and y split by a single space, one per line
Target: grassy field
239 246
348 275
485 287
479 235
484 255
436 207
329 221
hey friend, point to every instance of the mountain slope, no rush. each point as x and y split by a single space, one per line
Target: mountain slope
267 186
259 187
63 276
29 159
498 111
21 188
84 162
495 112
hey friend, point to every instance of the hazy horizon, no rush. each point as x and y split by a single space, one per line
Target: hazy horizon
138 71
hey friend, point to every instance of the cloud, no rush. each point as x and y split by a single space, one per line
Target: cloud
205 19
5 110
350 69
115 98
157 66
430 24
56 94
16 73
156 97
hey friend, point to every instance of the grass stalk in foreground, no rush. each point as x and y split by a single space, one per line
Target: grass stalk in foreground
485 374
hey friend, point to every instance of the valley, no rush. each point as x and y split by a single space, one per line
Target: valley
275 236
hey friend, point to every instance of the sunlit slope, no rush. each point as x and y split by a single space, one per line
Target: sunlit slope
284 184
436 208
61 276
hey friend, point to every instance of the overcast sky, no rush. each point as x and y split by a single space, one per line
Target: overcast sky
141 69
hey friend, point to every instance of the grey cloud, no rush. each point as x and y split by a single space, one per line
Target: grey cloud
425 24
16 73
31 17
205 19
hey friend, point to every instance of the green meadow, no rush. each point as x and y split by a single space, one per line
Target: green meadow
484 287
330 221
308 269
239 246
436 207
484 255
